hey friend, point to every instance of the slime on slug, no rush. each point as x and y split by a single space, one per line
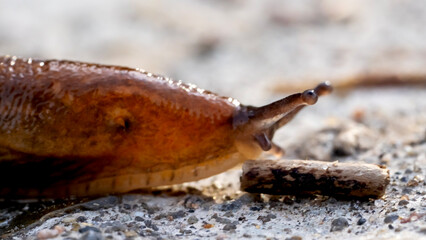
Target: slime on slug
79 129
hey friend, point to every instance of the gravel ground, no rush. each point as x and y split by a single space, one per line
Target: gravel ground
248 50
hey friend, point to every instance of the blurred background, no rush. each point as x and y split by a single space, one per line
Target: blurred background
255 51
236 48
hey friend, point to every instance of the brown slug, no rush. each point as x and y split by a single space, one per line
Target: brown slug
79 129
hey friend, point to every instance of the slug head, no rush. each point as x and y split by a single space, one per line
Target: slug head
256 125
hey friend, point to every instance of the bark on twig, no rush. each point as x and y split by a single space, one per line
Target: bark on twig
303 177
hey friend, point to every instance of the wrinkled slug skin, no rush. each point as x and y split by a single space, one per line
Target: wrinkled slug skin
70 128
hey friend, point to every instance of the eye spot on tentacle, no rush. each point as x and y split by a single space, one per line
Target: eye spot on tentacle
309 97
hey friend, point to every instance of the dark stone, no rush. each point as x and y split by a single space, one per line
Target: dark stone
238 203
91 235
150 210
106 202
97 219
403 203
233 206
339 224
361 221
195 201
390 226
404 179
127 206
89 228
81 219
256 208
267 218
178 214
221 219
228 214
391 218
149 224
406 191
229 227
192 219
423 230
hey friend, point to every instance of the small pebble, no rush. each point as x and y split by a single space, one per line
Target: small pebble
221 219
194 201
178 214
208 225
228 214
81 219
391 218
150 224
88 228
361 221
266 218
390 226
339 224
149 209
229 227
92 235
255 208
192 219
139 219
238 203
403 203
406 190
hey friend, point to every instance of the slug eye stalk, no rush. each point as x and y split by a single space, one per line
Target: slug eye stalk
264 121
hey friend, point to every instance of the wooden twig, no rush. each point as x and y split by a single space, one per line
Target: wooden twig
303 177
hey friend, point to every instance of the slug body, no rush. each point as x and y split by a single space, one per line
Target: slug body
78 129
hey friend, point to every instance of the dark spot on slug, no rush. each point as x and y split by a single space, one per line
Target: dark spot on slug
87 187
148 179
113 183
124 125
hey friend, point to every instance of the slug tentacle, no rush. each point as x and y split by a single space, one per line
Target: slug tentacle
274 112
322 89
258 124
